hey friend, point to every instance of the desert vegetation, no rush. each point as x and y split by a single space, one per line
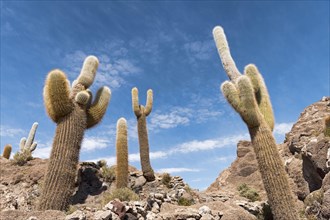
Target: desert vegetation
147 194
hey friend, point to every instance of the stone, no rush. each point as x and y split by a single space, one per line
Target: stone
204 210
207 217
103 215
77 215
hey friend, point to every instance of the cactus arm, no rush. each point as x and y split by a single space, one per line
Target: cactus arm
261 94
82 97
273 173
224 52
122 154
88 71
33 147
249 109
135 102
89 103
31 136
57 95
97 110
149 103
231 94
22 144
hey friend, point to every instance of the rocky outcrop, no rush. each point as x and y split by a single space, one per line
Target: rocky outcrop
304 154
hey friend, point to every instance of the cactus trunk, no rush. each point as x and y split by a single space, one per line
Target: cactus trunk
141 112
148 172
62 168
273 173
122 154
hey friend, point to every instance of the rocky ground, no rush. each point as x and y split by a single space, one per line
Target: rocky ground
305 153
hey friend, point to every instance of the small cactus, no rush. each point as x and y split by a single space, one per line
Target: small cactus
6 151
27 146
327 126
122 154
73 111
248 95
141 113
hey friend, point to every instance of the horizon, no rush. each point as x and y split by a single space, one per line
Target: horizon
167 47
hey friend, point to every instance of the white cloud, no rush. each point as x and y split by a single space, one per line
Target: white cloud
210 144
199 50
282 128
177 170
93 143
178 116
6 131
226 158
111 71
42 150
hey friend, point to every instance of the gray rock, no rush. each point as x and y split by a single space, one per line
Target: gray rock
77 215
103 215
204 210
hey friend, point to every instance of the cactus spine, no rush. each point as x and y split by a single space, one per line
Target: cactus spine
122 154
73 111
248 95
6 151
141 113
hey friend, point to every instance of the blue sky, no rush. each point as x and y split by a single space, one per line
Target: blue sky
168 47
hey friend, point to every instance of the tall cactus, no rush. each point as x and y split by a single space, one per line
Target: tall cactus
73 111
248 95
122 154
6 151
141 113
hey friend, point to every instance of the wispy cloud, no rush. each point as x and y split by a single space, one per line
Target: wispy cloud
226 158
199 50
91 143
282 128
179 116
6 131
177 170
111 72
43 150
209 144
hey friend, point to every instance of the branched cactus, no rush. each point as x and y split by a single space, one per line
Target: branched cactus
248 95
6 151
27 146
141 113
73 111
122 154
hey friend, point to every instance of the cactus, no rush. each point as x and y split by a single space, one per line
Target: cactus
327 126
73 111
27 146
122 154
6 151
248 95
141 113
